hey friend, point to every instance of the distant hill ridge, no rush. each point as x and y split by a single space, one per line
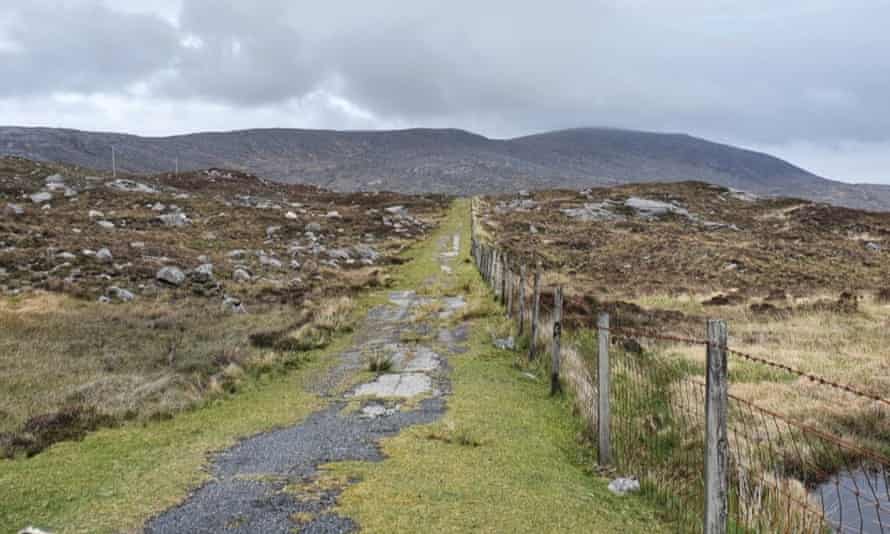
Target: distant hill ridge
446 160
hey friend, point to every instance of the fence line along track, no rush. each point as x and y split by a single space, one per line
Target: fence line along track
717 462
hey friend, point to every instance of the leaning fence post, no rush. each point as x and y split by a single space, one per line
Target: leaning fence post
521 299
536 308
716 445
603 380
555 386
503 281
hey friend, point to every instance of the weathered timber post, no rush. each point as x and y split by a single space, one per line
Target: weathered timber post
555 386
604 414
503 281
510 282
536 310
716 442
521 299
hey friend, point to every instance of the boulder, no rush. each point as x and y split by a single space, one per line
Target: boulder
338 254
366 252
290 216
241 275
269 261
171 275
623 486
96 214
205 269
122 295
653 208
41 197
334 215
108 225
233 305
174 219
104 255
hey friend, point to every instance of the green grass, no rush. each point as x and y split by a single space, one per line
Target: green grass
505 457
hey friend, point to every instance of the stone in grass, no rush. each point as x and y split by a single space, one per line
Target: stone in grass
507 343
121 294
623 486
233 304
241 275
108 225
32 530
171 275
205 269
40 198
313 227
14 209
104 255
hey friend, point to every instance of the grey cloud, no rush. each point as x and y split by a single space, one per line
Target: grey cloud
80 47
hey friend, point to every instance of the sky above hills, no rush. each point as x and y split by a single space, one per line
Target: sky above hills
806 80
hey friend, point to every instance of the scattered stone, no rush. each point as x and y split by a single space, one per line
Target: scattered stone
104 255
271 231
171 275
366 252
653 208
67 256
396 210
233 305
872 246
174 219
623 486
104 300
158 207
96 214
205 269
313 227
131 186
269 261
137 244
241 275
108 225
14 210
41 197
32 530
507 343
237 254
524 193
54 179
291 216
121 294
339 254
593 212
334 215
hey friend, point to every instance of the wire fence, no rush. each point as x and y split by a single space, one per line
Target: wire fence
659 418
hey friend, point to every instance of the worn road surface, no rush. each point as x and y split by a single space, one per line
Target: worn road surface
247 492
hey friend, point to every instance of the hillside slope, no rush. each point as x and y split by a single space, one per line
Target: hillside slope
446 160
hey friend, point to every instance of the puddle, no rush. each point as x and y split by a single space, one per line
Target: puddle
865 513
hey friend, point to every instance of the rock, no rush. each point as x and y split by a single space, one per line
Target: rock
338 254
96 214
241 275
623 486
233 305
121 294
290 215
131 186
236 254
524 193
104 300
174 219
366 252
334 215
171 275
653 208
158 207
271 231
67 256
593 212
396 210
137 244
205 269
203 258
32 530
41 197
872 246
108 225
532 229
54 179
70 193
313 227
269 261
104 255
506 343
13 210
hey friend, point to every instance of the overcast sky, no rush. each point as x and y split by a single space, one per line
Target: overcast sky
807 80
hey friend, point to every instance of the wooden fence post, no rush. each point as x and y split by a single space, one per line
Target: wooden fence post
603 380
536 309
503 281
716 442
555 386
509 286
521 299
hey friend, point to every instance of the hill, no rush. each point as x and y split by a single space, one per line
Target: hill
446 160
